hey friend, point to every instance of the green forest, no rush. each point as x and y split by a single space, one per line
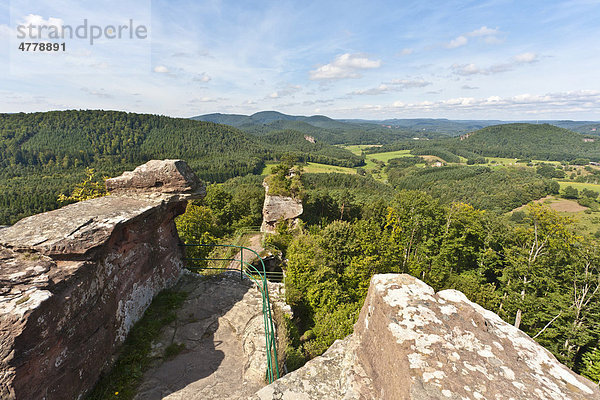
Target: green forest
43 155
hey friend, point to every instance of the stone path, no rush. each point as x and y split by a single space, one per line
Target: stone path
224 357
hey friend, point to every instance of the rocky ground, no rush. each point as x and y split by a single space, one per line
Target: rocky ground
221 327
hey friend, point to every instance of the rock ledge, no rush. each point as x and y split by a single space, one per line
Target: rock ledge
412 343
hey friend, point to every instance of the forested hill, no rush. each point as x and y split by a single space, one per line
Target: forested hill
82 138
44 154
542 141
76 138
517 140
324 128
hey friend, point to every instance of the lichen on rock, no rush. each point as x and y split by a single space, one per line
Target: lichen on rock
412 343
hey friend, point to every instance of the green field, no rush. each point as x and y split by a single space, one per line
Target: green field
268 167
385 157
513 161
502 160
585 223
316 168
313 168
580 186
357 148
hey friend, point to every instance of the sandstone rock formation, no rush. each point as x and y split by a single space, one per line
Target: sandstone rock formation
164 176
412 343
278 208
76 279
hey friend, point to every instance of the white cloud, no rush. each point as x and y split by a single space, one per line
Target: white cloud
284 91
206 99
458 42
394 85
582 100
472 69
484 31
467 87
406 52
467 69
97 93
549 105
373 91
409 84
161 69
40 25
526 58
203 77
344 66
489 35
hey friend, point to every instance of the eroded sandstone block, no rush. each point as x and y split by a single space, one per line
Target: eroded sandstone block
279 208
76 279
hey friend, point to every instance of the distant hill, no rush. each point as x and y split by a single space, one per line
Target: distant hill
585 127
434 125
322 127
515 140
361 131
459 127
265 117
541 141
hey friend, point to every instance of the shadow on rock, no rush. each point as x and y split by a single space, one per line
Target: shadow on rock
211 326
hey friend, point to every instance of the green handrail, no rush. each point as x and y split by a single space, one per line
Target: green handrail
269 326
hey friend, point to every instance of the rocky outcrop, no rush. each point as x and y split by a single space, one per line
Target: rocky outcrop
412 343
279 208
76 279
168 176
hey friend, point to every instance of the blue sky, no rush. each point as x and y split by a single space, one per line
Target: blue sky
345 59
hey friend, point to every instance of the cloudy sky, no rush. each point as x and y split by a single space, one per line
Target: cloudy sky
345 59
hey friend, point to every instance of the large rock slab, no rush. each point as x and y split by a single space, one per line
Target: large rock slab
73 283
278 208
164 176
412 343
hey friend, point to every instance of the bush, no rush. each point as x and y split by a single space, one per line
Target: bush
570 193
590 194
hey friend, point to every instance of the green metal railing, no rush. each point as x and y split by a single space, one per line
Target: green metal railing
260 278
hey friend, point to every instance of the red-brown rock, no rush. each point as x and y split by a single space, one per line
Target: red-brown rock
75 280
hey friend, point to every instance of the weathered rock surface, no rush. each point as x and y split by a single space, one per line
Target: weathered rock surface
277 208
412 343
75 280
221 326
164 176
